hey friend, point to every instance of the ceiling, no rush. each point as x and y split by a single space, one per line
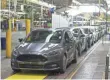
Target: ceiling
91 1
67 2
101 3
59 3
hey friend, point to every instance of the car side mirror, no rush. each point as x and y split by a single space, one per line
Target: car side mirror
20 39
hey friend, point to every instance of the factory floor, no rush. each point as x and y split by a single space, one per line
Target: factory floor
90 65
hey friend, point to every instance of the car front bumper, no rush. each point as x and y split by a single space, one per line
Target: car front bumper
53 63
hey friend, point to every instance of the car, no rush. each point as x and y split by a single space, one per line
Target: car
89 34
98 30
94 32
81 39
45 49
103 27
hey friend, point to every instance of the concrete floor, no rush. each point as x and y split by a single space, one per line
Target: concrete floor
91 64
94 66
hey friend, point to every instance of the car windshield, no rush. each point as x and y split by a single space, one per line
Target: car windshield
86 31
92 30
44 36
75 30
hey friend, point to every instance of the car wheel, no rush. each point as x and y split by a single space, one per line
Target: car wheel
86 48
64 64
89 44
16 70
76 56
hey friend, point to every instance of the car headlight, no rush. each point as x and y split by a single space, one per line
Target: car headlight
15 52
53 53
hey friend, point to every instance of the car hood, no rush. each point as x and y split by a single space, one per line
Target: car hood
37 47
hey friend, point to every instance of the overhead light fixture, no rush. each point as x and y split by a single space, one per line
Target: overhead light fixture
42 3
76 2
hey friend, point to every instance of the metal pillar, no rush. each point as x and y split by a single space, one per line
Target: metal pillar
41 15
32 14
8 37
28 24
8 41
106 20
107 67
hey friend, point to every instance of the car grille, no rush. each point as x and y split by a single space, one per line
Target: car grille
31 58
30 66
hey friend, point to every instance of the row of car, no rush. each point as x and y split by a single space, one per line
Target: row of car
86 36
53 49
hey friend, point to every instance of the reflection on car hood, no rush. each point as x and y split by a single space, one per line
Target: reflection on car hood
39 47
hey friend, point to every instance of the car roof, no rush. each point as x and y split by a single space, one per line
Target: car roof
63 28
75 27
42 29
51 29
84 27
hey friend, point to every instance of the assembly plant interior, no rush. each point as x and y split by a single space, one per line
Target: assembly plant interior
55 39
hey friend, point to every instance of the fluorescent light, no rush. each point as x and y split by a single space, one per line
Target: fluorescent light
41 3
73 12
82 9
45 4
76 2
91 9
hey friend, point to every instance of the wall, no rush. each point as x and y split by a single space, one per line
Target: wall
59 21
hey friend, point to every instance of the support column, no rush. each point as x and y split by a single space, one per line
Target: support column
28 24
8 41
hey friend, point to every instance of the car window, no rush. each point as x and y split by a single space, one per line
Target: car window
86 30
80 32
70 34
44 36
76 30
56 37
37 36
92 30
66 36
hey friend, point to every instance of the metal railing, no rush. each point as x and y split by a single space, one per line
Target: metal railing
107 65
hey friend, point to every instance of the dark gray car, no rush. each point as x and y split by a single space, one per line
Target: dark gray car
45 49
81 39
89 34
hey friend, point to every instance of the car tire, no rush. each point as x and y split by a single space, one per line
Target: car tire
64 65
86 47
76 56
16 70
89 44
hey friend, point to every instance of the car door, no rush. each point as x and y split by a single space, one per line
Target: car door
68 45
83 39
72 44
91 36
